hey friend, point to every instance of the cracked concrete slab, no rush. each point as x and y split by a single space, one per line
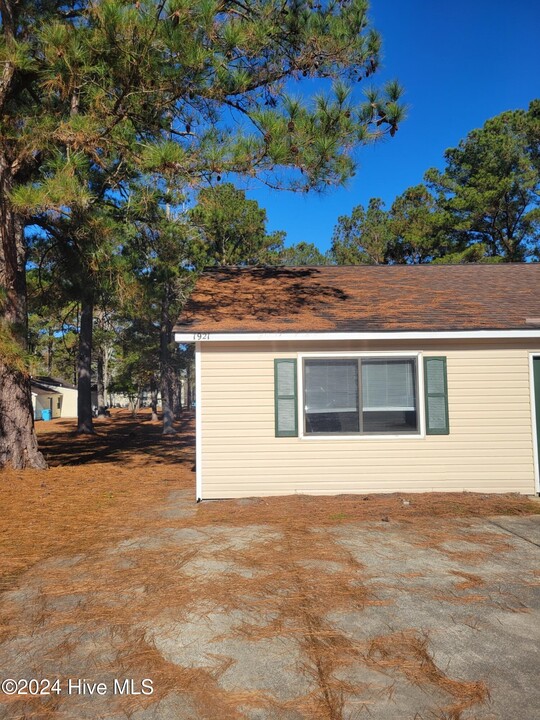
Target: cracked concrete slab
527 529
473 595
176 706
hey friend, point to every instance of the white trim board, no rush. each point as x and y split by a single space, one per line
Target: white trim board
199 338
535 428
198 423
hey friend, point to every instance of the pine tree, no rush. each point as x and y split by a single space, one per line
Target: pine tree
301 254
94 94
416 225
490 189
232 229
364 237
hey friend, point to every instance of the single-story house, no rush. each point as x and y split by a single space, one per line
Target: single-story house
68 393
45 398
366 379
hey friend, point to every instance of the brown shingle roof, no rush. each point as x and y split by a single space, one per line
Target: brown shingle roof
364 298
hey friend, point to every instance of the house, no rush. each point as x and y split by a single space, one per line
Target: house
366 379
45 399
67 403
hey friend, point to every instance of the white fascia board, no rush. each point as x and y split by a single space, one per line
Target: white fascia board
397 335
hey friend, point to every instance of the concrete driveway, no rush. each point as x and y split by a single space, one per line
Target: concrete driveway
382 620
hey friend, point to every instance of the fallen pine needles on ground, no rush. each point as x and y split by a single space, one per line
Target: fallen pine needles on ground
127 569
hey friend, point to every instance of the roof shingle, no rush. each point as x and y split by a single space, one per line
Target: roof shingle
364 298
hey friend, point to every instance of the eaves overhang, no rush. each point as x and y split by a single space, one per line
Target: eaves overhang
193 337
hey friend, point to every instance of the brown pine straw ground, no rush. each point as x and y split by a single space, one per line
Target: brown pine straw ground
93 539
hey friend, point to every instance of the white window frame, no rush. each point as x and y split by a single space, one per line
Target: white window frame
366 436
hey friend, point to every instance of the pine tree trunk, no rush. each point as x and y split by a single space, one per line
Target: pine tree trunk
153 400
133 401
50 343
85 423
18 441
167 399
177 395
106 356
100 384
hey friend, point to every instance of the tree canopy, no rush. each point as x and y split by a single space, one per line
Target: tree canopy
490 187
232 229
95 96
483 206
363 237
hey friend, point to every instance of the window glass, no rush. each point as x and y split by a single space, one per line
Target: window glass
331 396
361 395
389 395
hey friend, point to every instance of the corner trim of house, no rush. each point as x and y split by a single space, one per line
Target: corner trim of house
198 424
198 338
535 428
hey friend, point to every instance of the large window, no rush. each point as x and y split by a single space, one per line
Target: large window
365 395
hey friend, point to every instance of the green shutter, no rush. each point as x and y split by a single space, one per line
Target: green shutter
436 396
285 398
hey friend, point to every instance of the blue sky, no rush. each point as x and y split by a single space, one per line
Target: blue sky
461 62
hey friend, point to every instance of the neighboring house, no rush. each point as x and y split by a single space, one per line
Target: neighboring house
366 379
68 404
122 400
45 398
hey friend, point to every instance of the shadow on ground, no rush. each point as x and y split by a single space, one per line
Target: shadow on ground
118 438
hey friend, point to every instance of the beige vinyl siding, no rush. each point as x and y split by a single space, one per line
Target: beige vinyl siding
489 448
69 402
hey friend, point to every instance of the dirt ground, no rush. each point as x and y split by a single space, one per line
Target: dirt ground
387 607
